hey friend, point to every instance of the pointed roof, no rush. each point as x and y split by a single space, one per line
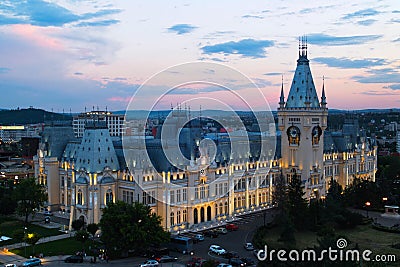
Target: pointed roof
302 91
323 97
282 98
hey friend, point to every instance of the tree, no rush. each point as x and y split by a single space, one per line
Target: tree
7 203
297 204
30 196
280 193
92 228
32 239
82 236
130 226
77 224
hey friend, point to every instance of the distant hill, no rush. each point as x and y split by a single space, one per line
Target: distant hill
29 116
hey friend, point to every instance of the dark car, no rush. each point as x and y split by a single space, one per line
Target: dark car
236 262
211 233
74 259
231 227
231 254
166 258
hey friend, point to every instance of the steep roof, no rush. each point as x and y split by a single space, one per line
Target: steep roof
302 91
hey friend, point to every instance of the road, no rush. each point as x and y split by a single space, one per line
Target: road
232 241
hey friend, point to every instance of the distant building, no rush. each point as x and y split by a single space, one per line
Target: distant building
14 133
94 171
114 122
398 142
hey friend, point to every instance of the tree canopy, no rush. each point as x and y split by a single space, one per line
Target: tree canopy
127 227
30 196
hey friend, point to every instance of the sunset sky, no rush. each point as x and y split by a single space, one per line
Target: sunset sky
68 55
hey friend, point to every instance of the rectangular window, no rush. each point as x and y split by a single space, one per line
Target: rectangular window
184 194
178 195
196 193
172 196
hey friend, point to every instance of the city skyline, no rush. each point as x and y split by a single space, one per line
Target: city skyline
64 55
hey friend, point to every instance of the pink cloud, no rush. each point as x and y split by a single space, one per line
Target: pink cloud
119 99
38 35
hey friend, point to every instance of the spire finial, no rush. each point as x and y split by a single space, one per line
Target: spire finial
282 98
323 97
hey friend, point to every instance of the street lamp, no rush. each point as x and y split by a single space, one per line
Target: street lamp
367 204
25 241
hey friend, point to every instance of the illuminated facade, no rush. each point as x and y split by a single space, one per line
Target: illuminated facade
93 172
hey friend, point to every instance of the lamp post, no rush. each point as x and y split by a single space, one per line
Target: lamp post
25 240
367 204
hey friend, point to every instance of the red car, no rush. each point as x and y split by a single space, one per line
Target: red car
231 227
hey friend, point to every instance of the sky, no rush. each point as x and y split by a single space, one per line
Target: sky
70 55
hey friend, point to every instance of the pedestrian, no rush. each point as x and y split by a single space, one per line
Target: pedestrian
107 258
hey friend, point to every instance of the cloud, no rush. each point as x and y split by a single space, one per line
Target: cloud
252 17
396 40
4 70
44 14
379 93
395 86
395 20
386 75
78 73
362 13
247 48
346 63
182 28
272 74
100 23
329 40
366 22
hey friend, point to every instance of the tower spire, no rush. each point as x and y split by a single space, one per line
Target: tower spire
307 101
323 97
282 98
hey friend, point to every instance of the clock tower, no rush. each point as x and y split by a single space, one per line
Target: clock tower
302 119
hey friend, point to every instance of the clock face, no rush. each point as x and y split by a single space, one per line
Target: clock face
293 132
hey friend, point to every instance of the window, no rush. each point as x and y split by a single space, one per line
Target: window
184 216
172 196
109 197
220 208
178 217
178 195
226 207
172 218
79 197
196 193
216 209
184 194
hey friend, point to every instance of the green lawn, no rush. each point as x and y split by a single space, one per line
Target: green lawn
8 227
367 238
68 246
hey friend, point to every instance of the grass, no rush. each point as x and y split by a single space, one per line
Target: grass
68 246
363 235
9 226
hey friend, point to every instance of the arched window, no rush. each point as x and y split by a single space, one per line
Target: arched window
184 219
172 218
220 208
216 209
109 196
178 217
226 207
235 203
79 197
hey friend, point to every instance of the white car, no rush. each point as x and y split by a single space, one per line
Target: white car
149 263
217 249
224 265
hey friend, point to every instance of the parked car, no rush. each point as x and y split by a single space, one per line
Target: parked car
231 254
211 233
231 227
32 262
195 262
217 250
224 265
10 265
199 237
74 259
221 231
237 262
248 246
149 263
262 253
248 261
166 258
48 213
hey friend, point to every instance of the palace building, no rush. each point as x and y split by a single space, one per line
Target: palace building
91 171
